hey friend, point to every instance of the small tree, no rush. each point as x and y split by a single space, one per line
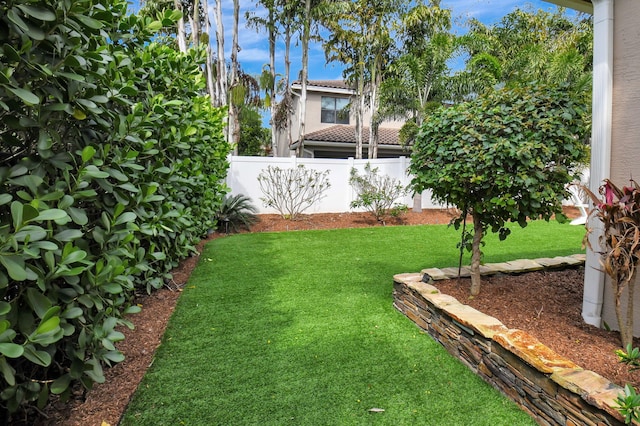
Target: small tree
292 191
619 213
376 193
503 157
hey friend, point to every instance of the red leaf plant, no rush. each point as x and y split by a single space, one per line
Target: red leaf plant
619 212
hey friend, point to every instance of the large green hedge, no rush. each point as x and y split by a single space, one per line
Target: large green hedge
111 165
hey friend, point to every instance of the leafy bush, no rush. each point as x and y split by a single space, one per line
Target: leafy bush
378 194
628 402
111 168
236 212
292 191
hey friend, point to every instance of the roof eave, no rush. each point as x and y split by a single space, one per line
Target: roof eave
580 5
324 89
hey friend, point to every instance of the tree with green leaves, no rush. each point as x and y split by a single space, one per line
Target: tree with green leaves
504 157
268 76
417 80
526 46
360 37
254 139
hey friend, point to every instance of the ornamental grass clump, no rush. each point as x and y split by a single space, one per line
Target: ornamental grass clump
619 213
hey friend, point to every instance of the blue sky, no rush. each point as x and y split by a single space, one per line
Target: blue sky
254 53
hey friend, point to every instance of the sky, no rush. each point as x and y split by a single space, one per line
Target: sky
254 48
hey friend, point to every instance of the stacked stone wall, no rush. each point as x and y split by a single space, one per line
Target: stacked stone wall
551 388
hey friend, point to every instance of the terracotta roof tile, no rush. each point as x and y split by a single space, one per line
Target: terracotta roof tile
346 134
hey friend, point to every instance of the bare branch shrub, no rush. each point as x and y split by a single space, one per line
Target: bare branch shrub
292 191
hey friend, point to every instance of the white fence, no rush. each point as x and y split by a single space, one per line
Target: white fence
243 173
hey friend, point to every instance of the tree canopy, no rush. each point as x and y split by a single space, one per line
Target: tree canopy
504 157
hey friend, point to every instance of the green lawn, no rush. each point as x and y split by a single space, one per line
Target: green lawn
298 328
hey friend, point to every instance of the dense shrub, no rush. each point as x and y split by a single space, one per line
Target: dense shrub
111 168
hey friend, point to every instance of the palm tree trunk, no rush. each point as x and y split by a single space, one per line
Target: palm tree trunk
306 33
287 83
181 35
211 87
195 23
272 72
221 75
234 122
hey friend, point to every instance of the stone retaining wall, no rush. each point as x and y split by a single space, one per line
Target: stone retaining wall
552 389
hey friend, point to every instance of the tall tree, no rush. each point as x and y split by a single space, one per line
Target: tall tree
527 46
221 66
302 110
268 76
360 38
417 81
234 120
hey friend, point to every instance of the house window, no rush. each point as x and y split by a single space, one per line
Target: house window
334 110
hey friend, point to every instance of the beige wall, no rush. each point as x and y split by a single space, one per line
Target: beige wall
313 123
625 135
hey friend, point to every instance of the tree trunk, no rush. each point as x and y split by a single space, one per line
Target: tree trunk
306 33
376 81
211 87
181 35
221 75
272 72
287 83
195 23
625 320
234 122
476 256
359 108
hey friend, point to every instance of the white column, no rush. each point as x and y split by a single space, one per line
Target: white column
600 149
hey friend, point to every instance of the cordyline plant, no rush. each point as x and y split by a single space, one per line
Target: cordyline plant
620 243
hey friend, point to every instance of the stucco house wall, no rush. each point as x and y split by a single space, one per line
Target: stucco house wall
315 91
616 128
625 125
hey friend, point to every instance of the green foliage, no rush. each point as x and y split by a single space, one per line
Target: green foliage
254 139
629 404
111 166
292 191
629 401
236 212
503 157
378 194
527 46
631 357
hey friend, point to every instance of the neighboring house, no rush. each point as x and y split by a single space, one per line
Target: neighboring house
615 142
330 126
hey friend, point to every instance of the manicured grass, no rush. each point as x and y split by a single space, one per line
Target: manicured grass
298 328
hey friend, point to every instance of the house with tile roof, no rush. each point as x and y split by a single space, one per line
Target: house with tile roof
615 130
330 130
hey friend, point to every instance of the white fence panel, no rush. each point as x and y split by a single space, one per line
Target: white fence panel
242 178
